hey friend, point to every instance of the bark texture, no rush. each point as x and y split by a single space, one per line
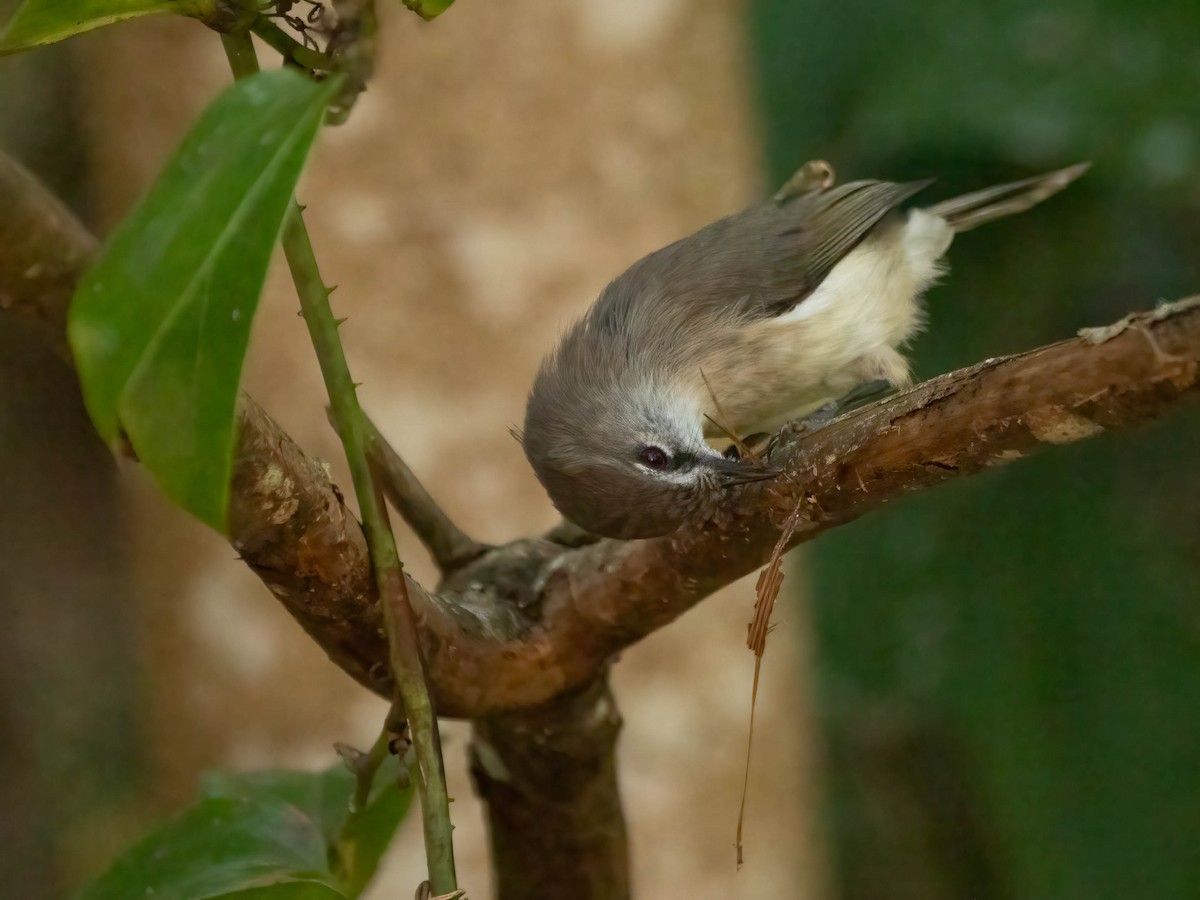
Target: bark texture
549 778
519 639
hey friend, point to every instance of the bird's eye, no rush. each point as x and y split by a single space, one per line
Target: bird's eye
654 458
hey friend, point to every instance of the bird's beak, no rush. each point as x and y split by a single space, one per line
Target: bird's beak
733 472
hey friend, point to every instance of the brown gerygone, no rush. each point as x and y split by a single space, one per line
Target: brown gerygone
755 320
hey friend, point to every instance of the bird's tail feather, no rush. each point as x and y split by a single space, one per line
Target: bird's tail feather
979 207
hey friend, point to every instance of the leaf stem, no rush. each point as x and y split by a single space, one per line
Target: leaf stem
283 44
364 766
407 666
239 50
446 542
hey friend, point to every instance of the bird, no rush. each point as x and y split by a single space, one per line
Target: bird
755 320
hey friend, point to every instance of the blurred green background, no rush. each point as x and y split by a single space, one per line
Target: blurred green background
1008 666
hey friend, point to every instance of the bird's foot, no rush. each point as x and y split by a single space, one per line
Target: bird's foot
758 446
754 446
858 396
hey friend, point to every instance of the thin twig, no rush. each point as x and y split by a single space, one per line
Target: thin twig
449 546
405 657
364 766
353 44
407 665
292 50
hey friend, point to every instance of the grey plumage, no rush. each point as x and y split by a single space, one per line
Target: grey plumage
763 316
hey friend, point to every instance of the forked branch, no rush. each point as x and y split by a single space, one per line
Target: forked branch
519 637
523 623
449 546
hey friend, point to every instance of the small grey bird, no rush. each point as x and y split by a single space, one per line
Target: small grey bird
756 320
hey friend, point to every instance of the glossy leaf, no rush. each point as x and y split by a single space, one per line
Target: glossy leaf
287 890
369 831
265 836
358 837
322 796
38 22
225 847
159 325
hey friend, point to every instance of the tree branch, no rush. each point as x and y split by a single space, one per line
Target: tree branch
549 779
43 251
516 633
288 520
400 626
530 620
588 604
526 622
290 524
449 546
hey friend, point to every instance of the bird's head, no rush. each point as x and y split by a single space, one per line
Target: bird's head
626 461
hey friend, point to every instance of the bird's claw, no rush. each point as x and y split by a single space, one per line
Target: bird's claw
858 396
755 444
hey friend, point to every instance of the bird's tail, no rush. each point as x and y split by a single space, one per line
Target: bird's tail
979 207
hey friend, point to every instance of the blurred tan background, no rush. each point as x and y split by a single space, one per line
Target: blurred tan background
507 161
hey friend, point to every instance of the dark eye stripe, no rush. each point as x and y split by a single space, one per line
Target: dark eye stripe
683 461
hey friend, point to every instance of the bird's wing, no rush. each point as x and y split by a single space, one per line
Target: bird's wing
819 228
758 263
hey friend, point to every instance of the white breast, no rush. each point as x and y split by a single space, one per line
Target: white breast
871 296
846 332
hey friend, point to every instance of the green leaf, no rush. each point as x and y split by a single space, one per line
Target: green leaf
265 836
369 831
39 22
429 9
322 796
225 847
289 890
159 325
359 838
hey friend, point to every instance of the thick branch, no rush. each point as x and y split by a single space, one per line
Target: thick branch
594 601
549 779
531 620
290 524
43 250
519 637
287 519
